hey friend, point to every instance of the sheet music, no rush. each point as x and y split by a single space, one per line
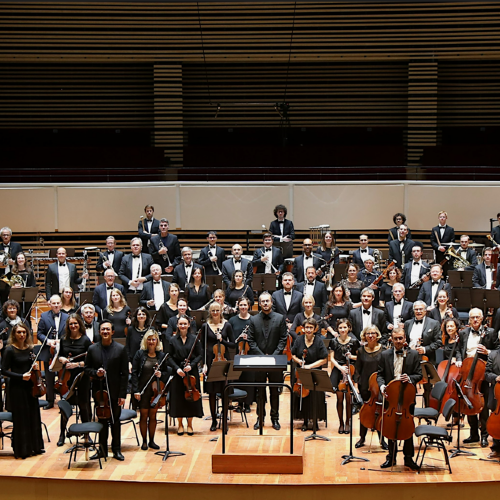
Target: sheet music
260 360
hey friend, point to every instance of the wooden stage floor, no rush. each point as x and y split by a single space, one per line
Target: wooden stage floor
41 475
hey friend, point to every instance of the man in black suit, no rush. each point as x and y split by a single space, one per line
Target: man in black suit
359 255
368 276
429 290
390 368
399 310
400 249
484 340
416 269
495 233
90 323
10 249
106 364
287 301
212 256
134 269
268 259
282 231
493 377
155 292
61 274
483 273
467 253
102 292
314 288
442 233
267 336
184 270
367 315
237 263
147 227
302 262
165 248
110 258
51 327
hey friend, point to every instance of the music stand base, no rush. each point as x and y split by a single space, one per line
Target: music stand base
167 454
350 458
316 436
458 451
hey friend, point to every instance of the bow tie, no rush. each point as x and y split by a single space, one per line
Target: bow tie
435 283
310 283
237 261
87 326
268 249
288 293
419 321
363 251
188 265
475 332
110 288
62 264
111 252
212 248
135 256
56 315
416 263
399 353
396 303
156 282
487 267
366 311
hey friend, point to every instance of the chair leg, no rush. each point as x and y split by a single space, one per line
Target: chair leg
46 431
135 430
446 457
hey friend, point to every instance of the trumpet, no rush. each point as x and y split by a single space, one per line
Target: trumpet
459 261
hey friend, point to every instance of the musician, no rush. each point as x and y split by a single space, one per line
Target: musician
308 304
75 343
172 325
399 310
68 301
492 376
61 274
8 251
444 308
342 348
237 263
352 284
442 233
216 331
366 315
283 230
22 269
315 358
107 366
183 271
287 301
393 366
51 327
181 346
429 290
17 363
238 289
327 249
314 288
197 293
212 256
147 227
416 269
90 323
155 292
368 275
398 219
168 309
165 249
302 262
400 248
220 297
268 256
359 255
267 336
135 334
134 269
146 364
483 273
483 340
337 307
102 292
467 253
386 290
119 313
110 258
495 233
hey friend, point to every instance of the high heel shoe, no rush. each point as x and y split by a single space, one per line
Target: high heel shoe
153 445
190 431
180 430
144 446
341 429
213 427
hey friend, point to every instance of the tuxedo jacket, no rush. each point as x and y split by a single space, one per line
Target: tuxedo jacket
479 276
448 237
356 257
95 327
148 293
406 279
125 273
320 295
411 367
117 260
100 297
495 234
279 304
288 229
425 292
470 257
492 372
298 267
45 325
396 254
173 247
356 319
276 259
228 270
490 341
180 273
393 234
431 336
15 248
406 312
204 259
275 341
52 278
145 237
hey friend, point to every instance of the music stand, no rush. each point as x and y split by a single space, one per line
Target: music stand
86 297
484 299
461 298
264 282
286 248
199 316
214 282
340 271
315 380
411 294
429 372
23 295
460 279
133 300
461 396
167 277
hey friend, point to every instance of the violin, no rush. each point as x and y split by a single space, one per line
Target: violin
344 384
191 393
289 341
423 359
158 389
103 407
219 350
298 388
243 345
39 388
493 423
63 376
371 409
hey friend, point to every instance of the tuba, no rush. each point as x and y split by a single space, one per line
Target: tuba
459 261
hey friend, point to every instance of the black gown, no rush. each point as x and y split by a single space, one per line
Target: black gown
366 365
164 314
339 352
300 318
386 292
197 299
118 319
27 437
326 254
133 342
355 289
232 295
337 312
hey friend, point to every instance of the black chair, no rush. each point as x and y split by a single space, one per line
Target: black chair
83 429
127 417
42 404
5 416
431 414
235 396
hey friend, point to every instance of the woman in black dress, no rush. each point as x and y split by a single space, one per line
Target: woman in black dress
216 330
75 343
315 358
180 347
342 348
238 289
27 437
197 293
444 308
308 303
145 364
326 249
169 308
220 298
394 276
22 269
352 285
337 307
182 307
135 333
118 312
68 300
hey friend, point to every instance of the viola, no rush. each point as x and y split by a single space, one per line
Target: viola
371 409
219 350
493 423
344 384
103 407
191 393
39 388
298 388
158 387
243 345
63 376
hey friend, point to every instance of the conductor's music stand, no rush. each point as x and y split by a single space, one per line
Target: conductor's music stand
199 316
264 283
460 279
23 295
214 282
484 299
340 271
461 298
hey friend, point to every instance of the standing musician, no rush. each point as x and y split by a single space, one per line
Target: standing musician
327 248
352 284
287 301
216 332
238 289
144 366
8 252
90 324
220 297
471 340
169 308
308 313
212 256
267 336
135 334
22 269
148 226
165 248
282 230
386 290
467 253
17 363
197 293
393 366
442 233
68 300
172 325
315 358
135 266
495 232
181 346
110 258
119 313
102 292
61 274
366 315
237 263
107 365
368 275
337 307
483 273
429 290
315 288
183 271
53 321
305 260
444 308
416 269
359 255
493 377
268 259
74 343
398 219
399 310
400 248
155 292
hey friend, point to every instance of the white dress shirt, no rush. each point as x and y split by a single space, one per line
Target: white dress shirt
136 272
158 294
63 276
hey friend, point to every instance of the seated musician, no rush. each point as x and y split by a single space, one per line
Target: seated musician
237 263
165 248
110 258
338 306
386 290
102 292
268 259
467 253
493 377
353 285
399 310
393 366
90 323
282 230
400 248
442 233
302 262
220 297
169 308
61 274
135 334
155 292
238 289
398 219
68 301
359 255
183 270
134 269
429 290
368 275
212 256
147 227
495 233
327 249
313 287
172 326
444 308
367 315
287 301
198 292
416 269
483 273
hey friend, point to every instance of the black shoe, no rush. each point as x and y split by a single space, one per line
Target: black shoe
471 439
484 442
144 446
61 440
304 427
118 456
388 463
49 406
98 455
276 425
256 426
213 427
411 464
247 409
384 446
238 409
153 445
360 443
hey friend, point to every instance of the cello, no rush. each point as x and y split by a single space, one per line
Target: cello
493 422
371 409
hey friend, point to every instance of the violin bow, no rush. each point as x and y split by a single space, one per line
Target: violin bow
153 376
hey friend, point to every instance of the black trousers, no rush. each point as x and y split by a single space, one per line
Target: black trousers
115 430
275 377
50 378
408 449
